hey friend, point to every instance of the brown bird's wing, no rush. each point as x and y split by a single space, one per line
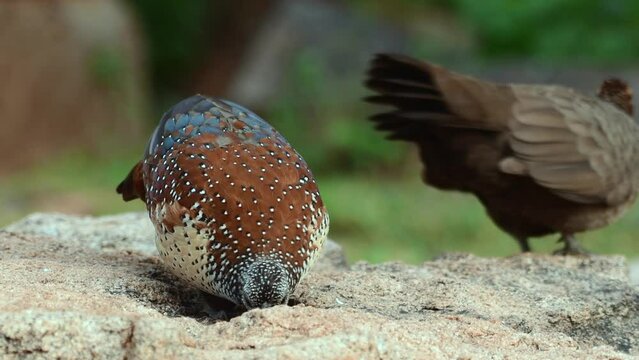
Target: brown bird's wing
581 148
132 187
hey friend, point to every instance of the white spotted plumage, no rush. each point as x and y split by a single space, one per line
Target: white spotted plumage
236 209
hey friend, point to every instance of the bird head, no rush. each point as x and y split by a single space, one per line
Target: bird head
264 283
617 92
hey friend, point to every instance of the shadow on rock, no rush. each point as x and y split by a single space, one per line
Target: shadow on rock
160 290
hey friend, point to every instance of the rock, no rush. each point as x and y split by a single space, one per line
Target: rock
128 232
132 232
93 287
634 271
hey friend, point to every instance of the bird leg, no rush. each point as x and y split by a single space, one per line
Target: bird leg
523 244
571 246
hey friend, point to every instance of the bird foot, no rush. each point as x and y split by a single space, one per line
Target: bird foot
523 245
571 247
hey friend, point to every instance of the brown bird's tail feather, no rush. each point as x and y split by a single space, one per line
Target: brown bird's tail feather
407 85
428 95
132 187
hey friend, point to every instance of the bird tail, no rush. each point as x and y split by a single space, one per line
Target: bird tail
132 187
427 95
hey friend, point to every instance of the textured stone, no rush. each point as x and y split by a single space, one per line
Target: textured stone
634 271
93 288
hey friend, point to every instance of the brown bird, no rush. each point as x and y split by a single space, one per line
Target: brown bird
236 209
542 159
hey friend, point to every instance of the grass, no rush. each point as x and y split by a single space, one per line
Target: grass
381 219
375 218
74 183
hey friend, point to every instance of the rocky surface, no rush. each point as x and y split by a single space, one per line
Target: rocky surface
93 288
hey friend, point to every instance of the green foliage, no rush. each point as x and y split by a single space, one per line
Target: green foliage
572 30
380 219
325 120
108 67
175 31
582 31
374 218
74 182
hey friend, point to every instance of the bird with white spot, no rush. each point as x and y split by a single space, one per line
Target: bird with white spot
204 227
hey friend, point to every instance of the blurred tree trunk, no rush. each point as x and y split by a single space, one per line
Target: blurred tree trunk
72 78
231 32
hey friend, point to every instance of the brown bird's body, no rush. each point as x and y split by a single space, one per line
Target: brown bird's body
541 159
236 209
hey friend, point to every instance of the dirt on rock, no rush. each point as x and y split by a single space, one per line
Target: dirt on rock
84 287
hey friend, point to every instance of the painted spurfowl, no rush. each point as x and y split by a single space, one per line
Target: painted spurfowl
236 209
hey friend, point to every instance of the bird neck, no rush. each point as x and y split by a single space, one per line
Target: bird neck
617 92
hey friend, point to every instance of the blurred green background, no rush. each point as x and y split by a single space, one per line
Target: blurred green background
90 81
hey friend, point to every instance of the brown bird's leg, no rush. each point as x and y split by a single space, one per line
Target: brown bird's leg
523 244
571 246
